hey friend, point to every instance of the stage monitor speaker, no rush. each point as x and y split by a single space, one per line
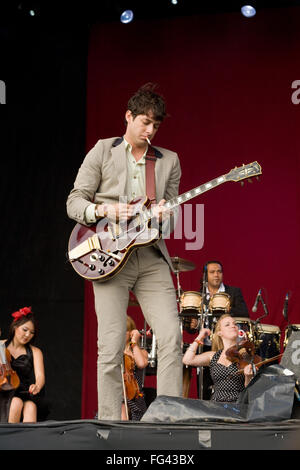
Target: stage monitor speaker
291 356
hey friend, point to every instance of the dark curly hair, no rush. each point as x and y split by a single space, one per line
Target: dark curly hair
146 100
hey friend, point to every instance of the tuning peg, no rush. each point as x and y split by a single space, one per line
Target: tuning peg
242 183
250 180
257 177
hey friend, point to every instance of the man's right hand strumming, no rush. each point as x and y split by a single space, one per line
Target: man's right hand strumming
115 212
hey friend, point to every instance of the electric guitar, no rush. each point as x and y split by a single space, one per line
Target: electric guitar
99 252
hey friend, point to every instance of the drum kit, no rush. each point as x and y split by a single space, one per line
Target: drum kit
194 313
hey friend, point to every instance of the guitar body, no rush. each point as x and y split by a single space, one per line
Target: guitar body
116 242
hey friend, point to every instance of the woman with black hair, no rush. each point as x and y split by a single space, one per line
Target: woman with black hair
27 360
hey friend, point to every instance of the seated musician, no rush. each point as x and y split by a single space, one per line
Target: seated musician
136 406
238 308
227 382
6 392
27 361
215 285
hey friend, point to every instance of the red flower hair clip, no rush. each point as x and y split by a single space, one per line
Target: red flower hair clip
21 313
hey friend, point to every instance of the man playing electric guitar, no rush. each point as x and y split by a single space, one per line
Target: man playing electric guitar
121 167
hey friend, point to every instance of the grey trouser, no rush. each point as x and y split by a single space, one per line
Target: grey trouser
147 274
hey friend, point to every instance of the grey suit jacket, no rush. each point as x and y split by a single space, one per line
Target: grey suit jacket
102 179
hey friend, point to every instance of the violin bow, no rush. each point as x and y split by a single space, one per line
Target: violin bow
124 391
262 362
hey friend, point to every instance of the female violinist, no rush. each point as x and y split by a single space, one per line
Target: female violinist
27 360
135 360
6 388
228 382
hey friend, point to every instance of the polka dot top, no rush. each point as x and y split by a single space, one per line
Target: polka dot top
227 384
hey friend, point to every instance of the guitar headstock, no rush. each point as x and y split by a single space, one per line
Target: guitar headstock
244 172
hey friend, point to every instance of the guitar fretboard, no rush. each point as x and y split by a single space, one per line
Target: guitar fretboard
194 192
176 201
237 174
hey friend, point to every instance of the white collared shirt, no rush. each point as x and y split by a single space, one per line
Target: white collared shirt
135 181
136 174
221 289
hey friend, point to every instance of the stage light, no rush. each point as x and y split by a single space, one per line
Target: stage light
126 16
31 12
248 11
174 2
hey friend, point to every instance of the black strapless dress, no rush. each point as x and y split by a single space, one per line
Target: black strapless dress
23 365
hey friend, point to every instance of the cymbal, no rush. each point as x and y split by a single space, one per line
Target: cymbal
180 264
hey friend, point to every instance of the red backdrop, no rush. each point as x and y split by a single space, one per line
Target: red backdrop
227 81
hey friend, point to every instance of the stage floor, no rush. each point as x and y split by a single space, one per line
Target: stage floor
117 437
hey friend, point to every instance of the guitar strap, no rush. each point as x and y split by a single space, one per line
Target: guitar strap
150 174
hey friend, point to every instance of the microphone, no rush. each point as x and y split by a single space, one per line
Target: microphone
258 297
285 306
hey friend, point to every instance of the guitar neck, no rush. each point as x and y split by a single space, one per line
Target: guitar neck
176 201
236 174
187 196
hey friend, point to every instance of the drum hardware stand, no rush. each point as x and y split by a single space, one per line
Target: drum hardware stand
257 321
143 346
179 291
200 348
180 265
152 354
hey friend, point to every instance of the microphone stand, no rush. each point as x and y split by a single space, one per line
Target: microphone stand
179 290
257 321
200 347
264 307
265 310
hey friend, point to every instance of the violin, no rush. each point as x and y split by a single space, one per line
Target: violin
9 379
131 386
244 354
